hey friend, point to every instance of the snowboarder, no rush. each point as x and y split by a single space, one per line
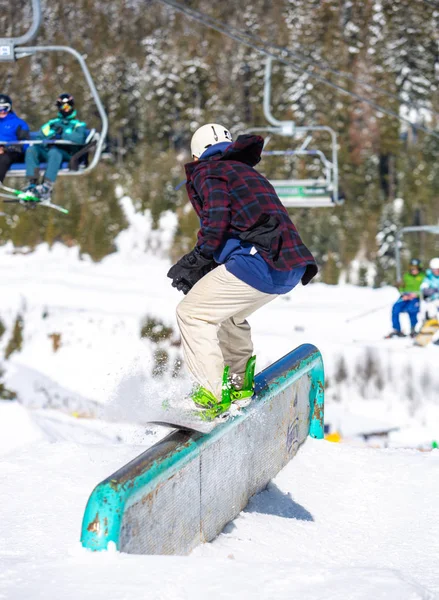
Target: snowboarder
430 287
247 253
65 127
12 129
408 301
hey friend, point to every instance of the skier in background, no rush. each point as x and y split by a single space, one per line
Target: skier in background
408 301
12 129
430 288
65 127
247 253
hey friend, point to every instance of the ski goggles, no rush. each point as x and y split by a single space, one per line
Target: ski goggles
64 105
5 107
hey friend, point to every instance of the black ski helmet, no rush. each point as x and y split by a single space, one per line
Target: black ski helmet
415 262
5 102
65 104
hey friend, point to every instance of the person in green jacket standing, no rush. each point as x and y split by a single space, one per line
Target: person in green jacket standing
408 301
65 127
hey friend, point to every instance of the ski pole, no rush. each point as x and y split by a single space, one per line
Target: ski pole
368 312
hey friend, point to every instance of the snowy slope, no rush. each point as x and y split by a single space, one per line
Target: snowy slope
341 521
103 367
338 522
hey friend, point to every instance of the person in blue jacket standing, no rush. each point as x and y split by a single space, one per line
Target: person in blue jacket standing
65 127
12 129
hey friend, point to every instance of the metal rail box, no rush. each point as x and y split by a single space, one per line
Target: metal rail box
183 490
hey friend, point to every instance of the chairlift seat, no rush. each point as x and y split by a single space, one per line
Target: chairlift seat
305 193
77 162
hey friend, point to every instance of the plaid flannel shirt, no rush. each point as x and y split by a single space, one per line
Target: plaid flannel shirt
229 196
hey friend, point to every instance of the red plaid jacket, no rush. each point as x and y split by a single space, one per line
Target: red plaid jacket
230 196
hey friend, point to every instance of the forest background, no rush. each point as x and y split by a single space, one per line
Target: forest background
161 75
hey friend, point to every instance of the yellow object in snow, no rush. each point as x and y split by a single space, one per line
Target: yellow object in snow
333 437
427 332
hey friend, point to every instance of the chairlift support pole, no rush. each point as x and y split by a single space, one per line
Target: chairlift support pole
7 45
286 127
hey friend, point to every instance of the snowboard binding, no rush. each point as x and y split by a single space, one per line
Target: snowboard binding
212 408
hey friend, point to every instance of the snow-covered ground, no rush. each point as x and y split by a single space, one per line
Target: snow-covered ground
341 521
338 522
82 350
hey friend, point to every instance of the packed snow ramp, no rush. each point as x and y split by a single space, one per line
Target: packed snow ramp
183 490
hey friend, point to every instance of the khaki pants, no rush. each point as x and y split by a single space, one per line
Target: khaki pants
213 326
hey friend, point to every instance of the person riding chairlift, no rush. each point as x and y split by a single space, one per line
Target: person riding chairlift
409 300
66 127
430 288
12 129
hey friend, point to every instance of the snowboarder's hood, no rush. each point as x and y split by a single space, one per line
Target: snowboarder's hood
431 276
247 149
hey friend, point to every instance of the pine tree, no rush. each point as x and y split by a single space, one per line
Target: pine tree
15 342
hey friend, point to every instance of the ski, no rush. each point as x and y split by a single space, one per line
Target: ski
13 196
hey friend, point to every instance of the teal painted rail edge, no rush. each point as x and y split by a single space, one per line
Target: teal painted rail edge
110 498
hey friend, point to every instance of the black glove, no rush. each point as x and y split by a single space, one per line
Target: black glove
190 269
21 134
428 293
57 131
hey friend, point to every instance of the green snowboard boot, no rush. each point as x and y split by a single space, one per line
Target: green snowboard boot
206 400
239 397
242 396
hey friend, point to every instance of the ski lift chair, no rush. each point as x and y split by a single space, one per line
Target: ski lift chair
398 242
80 162
308 192
312 192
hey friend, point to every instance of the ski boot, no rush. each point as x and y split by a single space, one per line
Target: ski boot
394 333
44 191
30 188
213 408
242 394
28 196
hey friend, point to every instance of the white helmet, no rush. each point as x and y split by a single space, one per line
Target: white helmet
208 135
434 263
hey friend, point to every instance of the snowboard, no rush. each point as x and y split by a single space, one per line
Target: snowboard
191 420
427 332
194 427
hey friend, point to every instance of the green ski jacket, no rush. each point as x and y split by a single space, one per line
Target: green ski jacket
411 283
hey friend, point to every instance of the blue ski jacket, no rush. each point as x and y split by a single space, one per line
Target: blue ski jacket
431 283
12 129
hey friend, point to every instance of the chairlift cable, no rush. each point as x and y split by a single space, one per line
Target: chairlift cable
240 37
432 4
325 66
